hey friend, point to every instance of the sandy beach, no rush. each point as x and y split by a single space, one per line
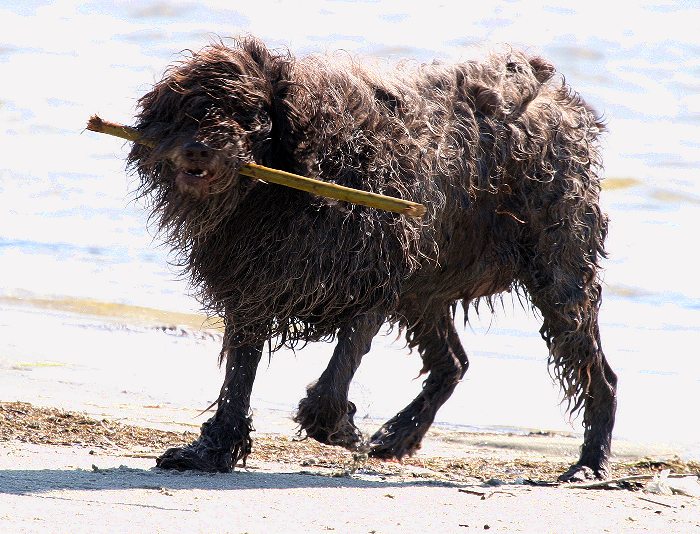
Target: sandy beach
83 417
84 414
64 472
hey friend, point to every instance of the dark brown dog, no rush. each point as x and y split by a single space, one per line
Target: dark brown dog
503 154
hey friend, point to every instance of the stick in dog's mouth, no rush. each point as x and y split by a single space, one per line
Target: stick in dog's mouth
310 185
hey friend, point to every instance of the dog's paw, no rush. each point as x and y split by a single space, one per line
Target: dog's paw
388 445
331 427
196 458
582 473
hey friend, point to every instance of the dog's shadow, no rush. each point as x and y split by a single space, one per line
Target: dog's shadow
36 481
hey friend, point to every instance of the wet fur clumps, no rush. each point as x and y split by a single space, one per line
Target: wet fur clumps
503 154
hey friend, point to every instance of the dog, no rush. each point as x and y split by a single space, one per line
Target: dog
504 155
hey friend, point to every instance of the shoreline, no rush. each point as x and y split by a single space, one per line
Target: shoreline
77 380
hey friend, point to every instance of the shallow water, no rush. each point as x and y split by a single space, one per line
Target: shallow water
69 231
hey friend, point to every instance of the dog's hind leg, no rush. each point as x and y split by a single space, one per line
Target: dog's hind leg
326 414
562 282
225 438
445 359
571 331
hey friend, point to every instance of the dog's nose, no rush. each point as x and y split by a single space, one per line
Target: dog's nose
196 152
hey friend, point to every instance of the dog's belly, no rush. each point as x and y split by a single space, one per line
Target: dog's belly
445 285
478 257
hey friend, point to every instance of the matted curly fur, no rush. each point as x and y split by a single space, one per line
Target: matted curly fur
503 154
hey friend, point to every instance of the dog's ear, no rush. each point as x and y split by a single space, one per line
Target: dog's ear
279 124
542 69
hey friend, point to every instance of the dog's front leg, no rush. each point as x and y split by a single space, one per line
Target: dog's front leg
225 438
326 414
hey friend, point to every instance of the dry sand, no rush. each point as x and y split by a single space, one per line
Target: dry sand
65 472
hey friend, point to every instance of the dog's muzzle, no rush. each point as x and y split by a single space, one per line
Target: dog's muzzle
196 165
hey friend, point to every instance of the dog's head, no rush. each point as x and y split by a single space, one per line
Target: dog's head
217 110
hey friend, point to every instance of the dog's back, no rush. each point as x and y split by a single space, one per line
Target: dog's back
499 150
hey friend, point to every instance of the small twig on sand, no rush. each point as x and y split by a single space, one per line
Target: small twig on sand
657 502
631 478
472 492
604 483
310 185
485 494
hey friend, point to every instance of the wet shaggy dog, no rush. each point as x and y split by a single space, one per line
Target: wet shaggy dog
502 153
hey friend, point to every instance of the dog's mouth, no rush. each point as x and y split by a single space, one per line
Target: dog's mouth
193 174
194 181
200 170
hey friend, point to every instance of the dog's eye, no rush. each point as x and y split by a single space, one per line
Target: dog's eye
197 107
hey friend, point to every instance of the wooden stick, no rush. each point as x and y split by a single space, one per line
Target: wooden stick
310 185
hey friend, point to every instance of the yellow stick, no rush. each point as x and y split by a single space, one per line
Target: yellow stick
310 185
